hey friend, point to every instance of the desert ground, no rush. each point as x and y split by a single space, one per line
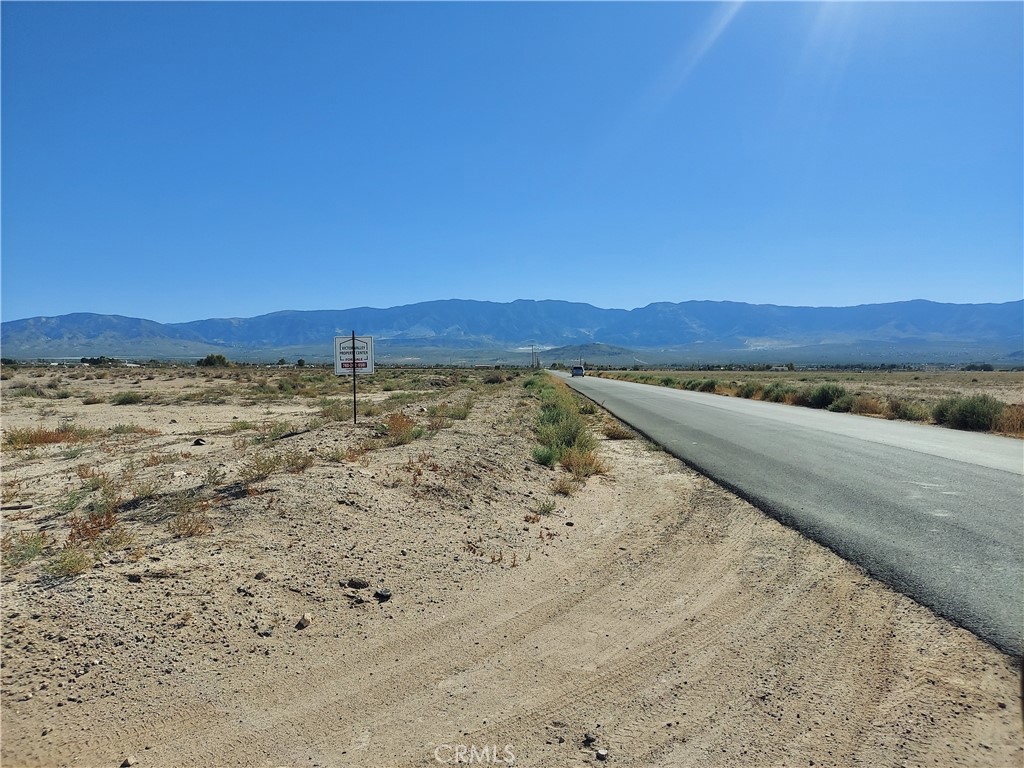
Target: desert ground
217 567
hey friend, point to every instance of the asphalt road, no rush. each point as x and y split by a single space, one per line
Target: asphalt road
935 513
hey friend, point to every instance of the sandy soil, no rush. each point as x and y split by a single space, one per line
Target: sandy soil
650 614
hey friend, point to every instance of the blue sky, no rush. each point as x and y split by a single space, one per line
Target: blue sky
179 161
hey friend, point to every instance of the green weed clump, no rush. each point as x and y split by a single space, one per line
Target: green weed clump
824 395
258 467
22 547
459 411
776 392
335 410
127 398
132 429
843 404
750 390
979 413
701 385
71 560
546 455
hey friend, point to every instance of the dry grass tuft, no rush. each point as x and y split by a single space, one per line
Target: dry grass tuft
28 437
258 467
297 461
1011 420
115 539
190 523
864 405
11 489
401 429
564 485
582 464
71 560
616 431
905 409
436 423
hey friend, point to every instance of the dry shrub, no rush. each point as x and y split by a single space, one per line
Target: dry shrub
133 429
86 471
127 398
546 507
905 409
156 459
616 431
24 437
11 489
335 410
192 523
865 405
71 560
297 462
582 464
435 423
258 467
564 486
115 539
401 429
354 452
1011 420
85 530
794 398
144 490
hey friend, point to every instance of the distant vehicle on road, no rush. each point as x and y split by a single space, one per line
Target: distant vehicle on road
577 370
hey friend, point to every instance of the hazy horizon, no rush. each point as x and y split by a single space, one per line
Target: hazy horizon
176 161
429 301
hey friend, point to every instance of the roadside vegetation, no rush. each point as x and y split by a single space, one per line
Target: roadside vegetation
978 412
563 435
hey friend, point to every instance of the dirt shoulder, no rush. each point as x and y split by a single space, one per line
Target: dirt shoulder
671 621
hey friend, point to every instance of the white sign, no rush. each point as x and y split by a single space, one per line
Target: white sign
345 363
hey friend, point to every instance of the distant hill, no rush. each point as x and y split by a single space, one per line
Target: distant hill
593 354
436 331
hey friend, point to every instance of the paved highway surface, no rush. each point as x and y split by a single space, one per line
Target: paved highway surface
935 513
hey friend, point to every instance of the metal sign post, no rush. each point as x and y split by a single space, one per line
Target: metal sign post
353 356
354 409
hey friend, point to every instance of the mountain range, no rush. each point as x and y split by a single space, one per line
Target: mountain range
480 331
